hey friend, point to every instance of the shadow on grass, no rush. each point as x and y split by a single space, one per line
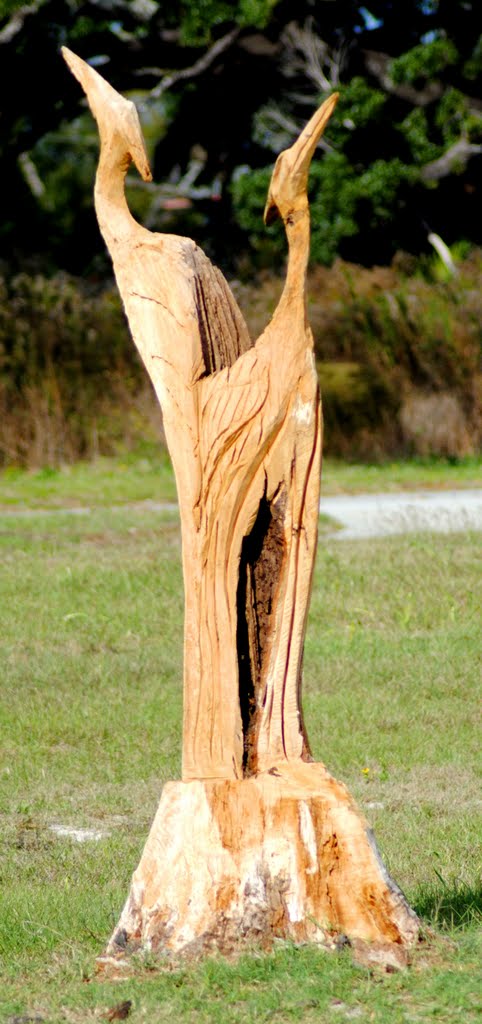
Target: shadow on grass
450 904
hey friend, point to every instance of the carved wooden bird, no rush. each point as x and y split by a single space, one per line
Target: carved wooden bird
243 427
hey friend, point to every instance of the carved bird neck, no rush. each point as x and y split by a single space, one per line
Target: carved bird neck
121 143
115 219
297 226
288 199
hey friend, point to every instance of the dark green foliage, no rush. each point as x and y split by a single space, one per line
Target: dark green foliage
369 197
340 198
454 118
423 62
8 7
415 128
333 193
249 191
473 66
409 76
360 105
200 20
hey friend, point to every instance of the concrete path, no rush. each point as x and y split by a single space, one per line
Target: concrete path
360 515
378 515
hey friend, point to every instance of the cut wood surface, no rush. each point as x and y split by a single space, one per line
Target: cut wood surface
284 854
243 426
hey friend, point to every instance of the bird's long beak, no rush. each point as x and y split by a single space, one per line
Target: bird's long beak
298 158
99 93
304 148
107 104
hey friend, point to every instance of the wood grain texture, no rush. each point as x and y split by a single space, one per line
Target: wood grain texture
243 426
256 842
304 867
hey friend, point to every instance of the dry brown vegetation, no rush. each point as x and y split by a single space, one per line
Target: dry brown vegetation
398 354
71 384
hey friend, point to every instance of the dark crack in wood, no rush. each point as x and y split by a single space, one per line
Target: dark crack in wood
262 556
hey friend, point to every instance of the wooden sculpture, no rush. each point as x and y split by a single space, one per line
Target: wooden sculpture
257 840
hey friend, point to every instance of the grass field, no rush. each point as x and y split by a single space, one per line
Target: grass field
90 723
147 475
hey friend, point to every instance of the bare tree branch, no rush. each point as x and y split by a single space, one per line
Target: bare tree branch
170 78
275 128
180 191
455 158
378 63
309 55
14 26
31 175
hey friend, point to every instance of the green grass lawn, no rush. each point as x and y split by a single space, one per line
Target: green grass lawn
147 474
90 724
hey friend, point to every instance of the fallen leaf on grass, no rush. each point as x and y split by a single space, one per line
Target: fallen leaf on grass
119 1012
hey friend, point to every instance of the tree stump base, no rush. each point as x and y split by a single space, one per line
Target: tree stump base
284 854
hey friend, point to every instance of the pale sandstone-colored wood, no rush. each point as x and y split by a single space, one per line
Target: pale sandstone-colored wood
254 832
283 854
243 427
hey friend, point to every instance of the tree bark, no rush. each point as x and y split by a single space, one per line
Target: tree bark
255 841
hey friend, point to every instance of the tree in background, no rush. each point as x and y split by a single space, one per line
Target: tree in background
222 87
404 153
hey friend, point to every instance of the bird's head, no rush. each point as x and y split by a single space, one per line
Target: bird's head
117 118
289 182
